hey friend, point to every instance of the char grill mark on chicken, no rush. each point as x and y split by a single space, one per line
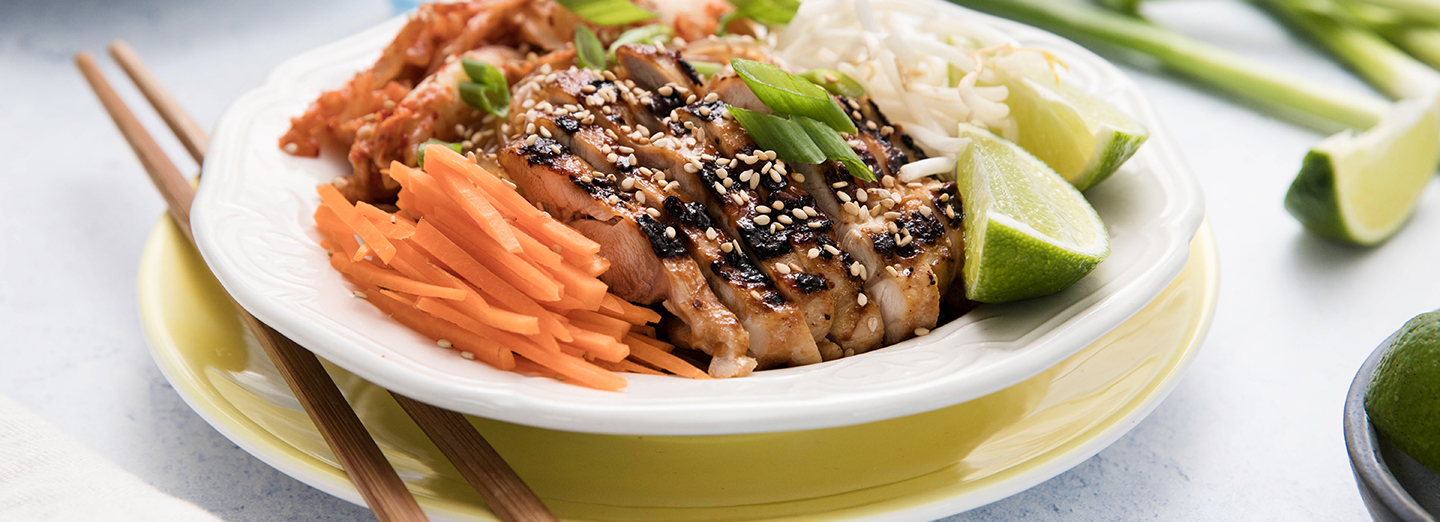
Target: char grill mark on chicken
909 250
649 262
726 186
856 324
591 111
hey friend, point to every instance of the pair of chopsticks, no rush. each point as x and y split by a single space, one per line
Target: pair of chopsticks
381 488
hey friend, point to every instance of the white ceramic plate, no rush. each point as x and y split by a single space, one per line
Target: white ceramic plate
252 224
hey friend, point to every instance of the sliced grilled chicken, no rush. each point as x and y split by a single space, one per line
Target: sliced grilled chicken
908 245
572 106
706 177
855 319
646 263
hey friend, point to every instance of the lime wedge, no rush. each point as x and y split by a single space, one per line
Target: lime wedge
1082 138
1360 188
1027 231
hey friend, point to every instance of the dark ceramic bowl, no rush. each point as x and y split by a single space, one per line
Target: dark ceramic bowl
1394 486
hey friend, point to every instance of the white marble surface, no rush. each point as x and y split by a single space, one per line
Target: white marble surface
1251 433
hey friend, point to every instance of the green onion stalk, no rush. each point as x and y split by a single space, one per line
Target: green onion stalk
1416 37
1294 98
1379 62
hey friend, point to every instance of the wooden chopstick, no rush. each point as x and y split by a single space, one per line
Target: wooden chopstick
478 462
190 134
354 448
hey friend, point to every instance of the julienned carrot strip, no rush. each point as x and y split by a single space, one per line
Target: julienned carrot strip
518 272
391 226
618 308
572 368
633 338
331 197
540 254
643 330
627 365
599 345
595 322
531 368
473 202
665 361
586 288
452 163
394 280
431 240
569 238
435 328
360 253
411 262
335 230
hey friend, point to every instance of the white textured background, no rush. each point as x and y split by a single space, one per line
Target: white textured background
1252 433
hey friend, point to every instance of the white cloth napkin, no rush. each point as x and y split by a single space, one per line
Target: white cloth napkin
46 475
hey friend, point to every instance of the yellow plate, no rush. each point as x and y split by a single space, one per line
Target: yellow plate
914 468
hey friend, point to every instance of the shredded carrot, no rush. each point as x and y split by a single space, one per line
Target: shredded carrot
530 279
600 345
572 368
440 330
392 227
618 308
392 279
596 322
584 288
665 360
331 197
627 366
633 338
643 330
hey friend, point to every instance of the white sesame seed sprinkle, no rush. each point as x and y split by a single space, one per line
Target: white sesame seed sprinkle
762 220
862 300
813 253
358 294
443 343
782 268
922 331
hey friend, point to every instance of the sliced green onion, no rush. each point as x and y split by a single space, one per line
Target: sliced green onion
648 35
706 69
833 146
787 138
788 94
835 81
420 155
487 89
607 12
589 54
768 12
1296 98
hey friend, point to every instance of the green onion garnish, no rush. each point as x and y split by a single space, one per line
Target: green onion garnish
768 12
784 136
706 69
607 12
835 81
420 155
589 54
487 89
648 35
788 94
833 146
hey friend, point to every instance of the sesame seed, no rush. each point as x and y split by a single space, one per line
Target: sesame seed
720 188
862 196
839 184
467 356
555 148
640 197
775 226
782 268
755 294
358 294
762 209
905 241
670 232
784 219
727 246
832 250
654 212
544 131
710 233
813 253
864 273
735 196
855 114
814 224
862 300
628 183
798 177
891 269
749 160
443 343
691 168
875 210
704 111
810 211
530 128
950 212
727 182
852 208
671 186
613 199
926 210
711 98
799 214
855 268
530 140
870 125
892 215
556 248
921 331
632 159
665 90
762 220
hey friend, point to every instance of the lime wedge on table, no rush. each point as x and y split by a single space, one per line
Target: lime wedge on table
1028 232
1083 138
1359 188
